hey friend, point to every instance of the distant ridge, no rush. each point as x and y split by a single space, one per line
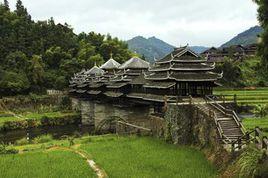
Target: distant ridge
154 48
247 37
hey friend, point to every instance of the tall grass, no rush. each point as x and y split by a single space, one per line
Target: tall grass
52 164
251 123
147 157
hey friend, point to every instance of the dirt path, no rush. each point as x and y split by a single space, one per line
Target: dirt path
100 172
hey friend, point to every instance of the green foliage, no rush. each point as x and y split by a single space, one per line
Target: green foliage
5 150
261 110
23 141
263 19
65 103
43 55
231 73
43 139
248 162
14 83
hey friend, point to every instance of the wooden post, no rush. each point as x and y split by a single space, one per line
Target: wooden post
233 147
247 137
239 143
235 98
264 143
256 135
190 101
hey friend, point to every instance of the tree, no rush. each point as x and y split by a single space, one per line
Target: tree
96 59
36 71
14 83
17 61
54 56
86 50
263 19
6 4
231 73
21 10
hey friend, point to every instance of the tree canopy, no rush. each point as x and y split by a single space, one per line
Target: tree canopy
36 55
263 19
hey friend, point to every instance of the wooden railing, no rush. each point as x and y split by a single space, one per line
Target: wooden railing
135 129
229 112
255 136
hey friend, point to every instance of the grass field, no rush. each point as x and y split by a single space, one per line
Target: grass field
43 164
147 157
245 96
29 115
118 156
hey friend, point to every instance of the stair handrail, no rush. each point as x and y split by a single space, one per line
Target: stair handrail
228 112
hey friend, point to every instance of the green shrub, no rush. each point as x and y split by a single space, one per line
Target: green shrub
65 103
13 125
43 139
5 150
23 141
261 110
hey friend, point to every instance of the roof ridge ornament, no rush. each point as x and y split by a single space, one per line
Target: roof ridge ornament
221 74
172 56
213 65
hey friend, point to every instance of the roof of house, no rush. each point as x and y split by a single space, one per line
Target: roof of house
135 63
95 70
110 64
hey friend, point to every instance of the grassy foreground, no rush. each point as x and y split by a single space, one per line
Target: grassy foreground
43 164
117 156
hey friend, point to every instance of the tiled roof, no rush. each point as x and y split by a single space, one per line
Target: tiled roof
110 64
135 63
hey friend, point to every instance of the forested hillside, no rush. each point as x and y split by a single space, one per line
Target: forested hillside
154 48
38 55
149 48
247 37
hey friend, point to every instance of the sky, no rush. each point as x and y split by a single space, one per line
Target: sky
178 22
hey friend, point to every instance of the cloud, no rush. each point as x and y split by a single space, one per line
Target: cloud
197 22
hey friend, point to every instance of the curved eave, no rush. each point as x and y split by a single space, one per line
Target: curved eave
184 61
159 87
182 69
182 80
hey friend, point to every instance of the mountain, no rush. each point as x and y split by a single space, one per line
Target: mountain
198 49
151 48
247 37
154 48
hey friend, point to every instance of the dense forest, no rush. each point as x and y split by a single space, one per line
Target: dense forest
35 56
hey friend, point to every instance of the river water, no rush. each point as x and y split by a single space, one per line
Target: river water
92 113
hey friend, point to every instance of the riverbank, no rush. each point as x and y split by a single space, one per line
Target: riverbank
12 121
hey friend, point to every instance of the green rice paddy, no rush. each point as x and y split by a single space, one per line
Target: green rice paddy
245 96
43 164
117 156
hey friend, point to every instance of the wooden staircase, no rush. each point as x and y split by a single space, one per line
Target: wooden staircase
227 122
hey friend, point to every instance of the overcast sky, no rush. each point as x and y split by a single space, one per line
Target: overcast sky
178 22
